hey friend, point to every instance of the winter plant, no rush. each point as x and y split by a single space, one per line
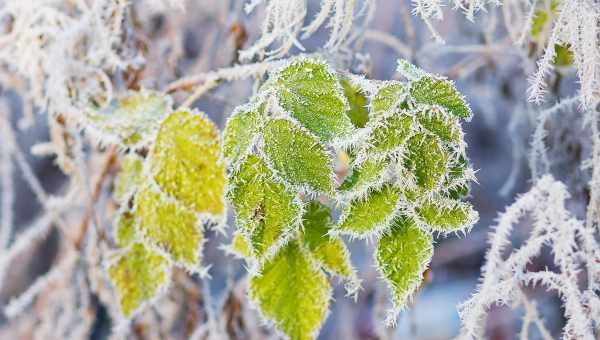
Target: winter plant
313 155
409 171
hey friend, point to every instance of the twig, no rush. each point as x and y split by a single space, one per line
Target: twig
200 91
108 162
236 72
389 40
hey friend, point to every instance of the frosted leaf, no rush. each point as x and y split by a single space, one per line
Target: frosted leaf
403 254
371 214
446 215
131 120
242 127
410 71
426 160
437 121
186 162
364 176
388 98
359 113
297 157
389 134
439 91
265 209
129 178
169 226
311 93
292 292
459 176
125 228
138 276
330 252
240 246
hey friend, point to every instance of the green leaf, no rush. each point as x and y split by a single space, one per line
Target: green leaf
131 120
426 161
402 255
297 157
129 178
125 228
292 292
241 129
446 215
439 91
388 98
365 216
388 134
563 55
437 121
186 162
169 226
364 176
311 93
264 208
410 71
457 183
240 246
330 252
138 276
540 18
359 113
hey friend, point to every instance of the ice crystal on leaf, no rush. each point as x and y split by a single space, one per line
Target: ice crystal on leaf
138 275
408 172
175 190
292 292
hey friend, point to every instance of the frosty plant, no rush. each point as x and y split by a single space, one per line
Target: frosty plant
408 173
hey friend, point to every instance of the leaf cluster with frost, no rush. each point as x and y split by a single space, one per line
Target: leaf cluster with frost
409 172
575 279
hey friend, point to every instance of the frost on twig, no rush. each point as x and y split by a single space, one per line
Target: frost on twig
574 250
65 51
572 25
283 26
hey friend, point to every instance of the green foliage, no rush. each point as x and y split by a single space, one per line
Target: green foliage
364 176
426 161
186 162
388 134
331 252
388 98
402 256
165 200
440 91
312 94
407 174
131 120
129 177
368 215
358 113
310 166
444 214
242 128
138 276
292 292
265 209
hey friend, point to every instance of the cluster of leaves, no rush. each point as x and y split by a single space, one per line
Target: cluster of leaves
166 198
408 173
